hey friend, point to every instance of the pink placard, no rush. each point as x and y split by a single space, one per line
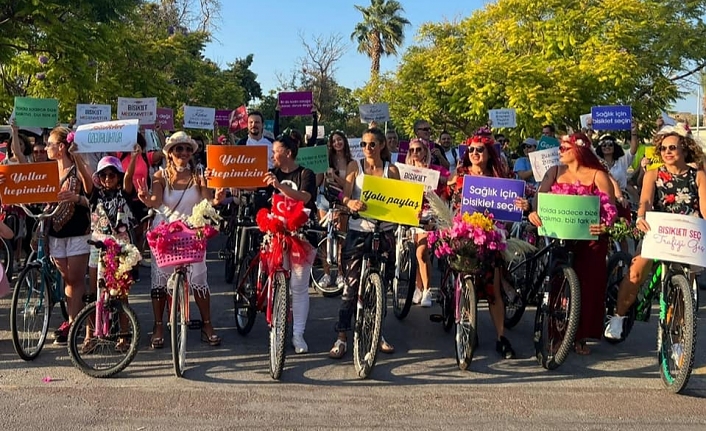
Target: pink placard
165 117
295 103
238 119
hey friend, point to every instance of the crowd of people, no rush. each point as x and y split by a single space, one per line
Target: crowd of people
110 194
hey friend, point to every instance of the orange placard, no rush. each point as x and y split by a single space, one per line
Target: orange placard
239 166
29 183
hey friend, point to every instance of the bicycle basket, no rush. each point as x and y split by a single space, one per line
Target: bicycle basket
179 248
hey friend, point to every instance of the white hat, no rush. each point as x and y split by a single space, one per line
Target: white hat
179 138
530 141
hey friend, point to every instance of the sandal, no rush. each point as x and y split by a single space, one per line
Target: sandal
338 350
213 340
386 347
89 346
581 348
156 342
123 345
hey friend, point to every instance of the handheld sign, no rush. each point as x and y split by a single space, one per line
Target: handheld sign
586 121
31 112
503 118
165 119
144 109
391 200
546 142
199 117
29 183
320 131
675 238
239 119
87 114
314 158
110 136
541 161
652 154
378 112
270 126
239 166
222 117
295 103
617 117
428 177
567 216
495 195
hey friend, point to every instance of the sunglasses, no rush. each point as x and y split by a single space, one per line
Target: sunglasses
607 144
670 148
39 151
413 150
564 149
425 129
104 175
370 145
181 149
479 150
529 146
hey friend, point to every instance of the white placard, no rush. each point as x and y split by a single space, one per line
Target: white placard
320 131
585 120
107 137
542 160
506 117
199 117
87 114
668 121
356 151
144 109
378 112
414 174
675 238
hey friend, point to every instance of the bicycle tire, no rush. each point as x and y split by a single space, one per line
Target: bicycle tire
179 324
549 355
522 280
317 271
403 287
467 325
368 325
678 290
105 347
229 265
618 266
447 300
29 342
245 297
278 326
7 258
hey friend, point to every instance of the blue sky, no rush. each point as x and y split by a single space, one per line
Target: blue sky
269 29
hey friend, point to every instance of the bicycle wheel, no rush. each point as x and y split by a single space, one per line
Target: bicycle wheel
30 312
245 296
331 289
278 326
447 300
618 267
522 280
676 334
110 353
403 287
179 324
368 325
467 324
557 317
6 258
229 257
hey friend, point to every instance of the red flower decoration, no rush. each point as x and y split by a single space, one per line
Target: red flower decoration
670 199
664 176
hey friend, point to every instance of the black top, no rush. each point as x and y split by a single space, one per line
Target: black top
301 179
72 219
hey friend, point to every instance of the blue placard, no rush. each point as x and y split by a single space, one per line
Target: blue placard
495 195
617 117
547 142
270 126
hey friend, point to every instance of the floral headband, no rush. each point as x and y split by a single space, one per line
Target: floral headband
579 142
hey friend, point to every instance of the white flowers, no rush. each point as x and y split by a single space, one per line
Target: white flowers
204 214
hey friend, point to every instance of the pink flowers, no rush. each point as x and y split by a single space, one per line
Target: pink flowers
70 137
471 235
608 211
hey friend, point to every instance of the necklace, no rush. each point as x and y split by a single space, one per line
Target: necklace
182 168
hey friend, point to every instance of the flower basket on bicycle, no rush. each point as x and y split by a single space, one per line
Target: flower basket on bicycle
175 243
469 239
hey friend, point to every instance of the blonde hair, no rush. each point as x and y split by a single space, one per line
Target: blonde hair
426 160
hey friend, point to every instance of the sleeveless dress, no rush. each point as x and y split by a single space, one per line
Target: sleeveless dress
676 194
591 269
197 271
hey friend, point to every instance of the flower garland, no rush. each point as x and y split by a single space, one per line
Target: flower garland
608 211
118 260
281 225
203 223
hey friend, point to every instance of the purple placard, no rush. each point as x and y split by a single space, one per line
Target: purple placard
165 118
462 150
295 103
223 117
496 195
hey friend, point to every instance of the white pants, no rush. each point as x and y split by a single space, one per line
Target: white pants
299 288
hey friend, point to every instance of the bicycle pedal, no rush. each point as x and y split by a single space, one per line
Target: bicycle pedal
436 318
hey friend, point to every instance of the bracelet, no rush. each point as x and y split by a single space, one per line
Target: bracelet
639 218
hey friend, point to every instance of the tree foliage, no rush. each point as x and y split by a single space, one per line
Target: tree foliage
550 60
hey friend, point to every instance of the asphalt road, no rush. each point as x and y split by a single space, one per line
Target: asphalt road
417 387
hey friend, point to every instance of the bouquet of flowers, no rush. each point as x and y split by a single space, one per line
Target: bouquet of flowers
119 258
203 215
608 211
621 229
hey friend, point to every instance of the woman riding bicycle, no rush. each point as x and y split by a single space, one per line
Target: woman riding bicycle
675 187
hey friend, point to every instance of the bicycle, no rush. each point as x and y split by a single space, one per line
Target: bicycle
328 252
104 337
558 294
405 277
37 289
676 347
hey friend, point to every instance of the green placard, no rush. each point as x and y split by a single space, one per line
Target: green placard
546 142
314 158
31 112
568 216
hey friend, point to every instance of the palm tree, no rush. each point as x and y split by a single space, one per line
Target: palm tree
381 32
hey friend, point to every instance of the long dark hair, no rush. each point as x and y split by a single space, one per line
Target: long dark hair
618 151
380 140
332 153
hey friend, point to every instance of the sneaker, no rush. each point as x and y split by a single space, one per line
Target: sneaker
300 345
325 280
341 281
417 297
426 301
61 335
614 329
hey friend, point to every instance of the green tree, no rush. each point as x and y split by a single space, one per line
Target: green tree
381 32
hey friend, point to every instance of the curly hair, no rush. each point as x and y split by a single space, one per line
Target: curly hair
692 150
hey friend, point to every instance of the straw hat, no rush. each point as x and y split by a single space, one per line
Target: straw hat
179 138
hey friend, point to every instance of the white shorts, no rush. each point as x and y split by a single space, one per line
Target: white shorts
60 248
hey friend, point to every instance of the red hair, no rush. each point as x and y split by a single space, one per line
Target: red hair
494 163
582 147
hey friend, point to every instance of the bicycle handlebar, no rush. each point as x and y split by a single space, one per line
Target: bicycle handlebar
42 216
